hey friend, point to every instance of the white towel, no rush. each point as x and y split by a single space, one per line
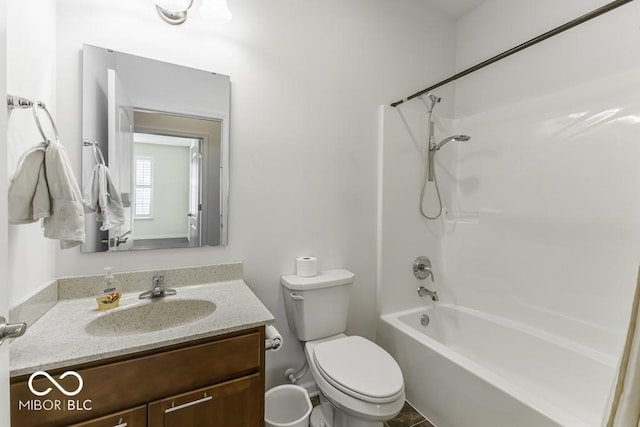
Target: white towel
66 222
103 197
28 190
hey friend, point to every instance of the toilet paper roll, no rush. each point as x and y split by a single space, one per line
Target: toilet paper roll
273 337
307 266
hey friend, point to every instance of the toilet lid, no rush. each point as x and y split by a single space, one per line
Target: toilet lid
359 368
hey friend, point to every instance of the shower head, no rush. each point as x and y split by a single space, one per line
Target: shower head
458 138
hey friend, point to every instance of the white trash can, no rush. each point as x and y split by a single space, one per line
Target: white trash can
287 406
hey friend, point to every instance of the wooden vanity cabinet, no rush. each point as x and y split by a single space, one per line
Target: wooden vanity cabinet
212 382
136 417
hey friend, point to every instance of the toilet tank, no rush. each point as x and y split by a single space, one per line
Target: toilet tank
317 306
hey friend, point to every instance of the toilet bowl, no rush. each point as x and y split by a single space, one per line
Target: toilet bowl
361 381
360 384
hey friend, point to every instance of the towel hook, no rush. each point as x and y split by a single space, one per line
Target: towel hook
39 104
97 154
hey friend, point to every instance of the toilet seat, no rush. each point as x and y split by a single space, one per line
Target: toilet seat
359 368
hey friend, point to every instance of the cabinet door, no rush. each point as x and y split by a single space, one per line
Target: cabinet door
136 417
139 380
235 403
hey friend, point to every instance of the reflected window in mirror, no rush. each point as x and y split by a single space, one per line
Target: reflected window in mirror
143 190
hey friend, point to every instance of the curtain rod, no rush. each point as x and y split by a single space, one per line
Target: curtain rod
584 18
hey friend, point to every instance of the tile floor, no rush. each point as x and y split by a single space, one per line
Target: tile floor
408 417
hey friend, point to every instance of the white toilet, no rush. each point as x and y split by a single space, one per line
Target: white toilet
360 384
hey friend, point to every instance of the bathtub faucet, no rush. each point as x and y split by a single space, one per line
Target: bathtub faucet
422 268
422 291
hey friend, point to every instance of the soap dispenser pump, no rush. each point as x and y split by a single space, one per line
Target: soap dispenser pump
109 296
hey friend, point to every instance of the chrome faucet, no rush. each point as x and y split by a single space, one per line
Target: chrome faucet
157 289
422 291
422 268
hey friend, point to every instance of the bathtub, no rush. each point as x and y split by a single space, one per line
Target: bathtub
472 369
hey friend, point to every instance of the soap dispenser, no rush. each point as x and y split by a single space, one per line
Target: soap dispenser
109 295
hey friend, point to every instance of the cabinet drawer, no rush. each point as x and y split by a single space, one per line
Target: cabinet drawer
235 403
136 417
136 381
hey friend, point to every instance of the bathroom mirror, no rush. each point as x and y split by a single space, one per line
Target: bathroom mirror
162 131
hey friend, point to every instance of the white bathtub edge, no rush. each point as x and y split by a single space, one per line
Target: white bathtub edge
541 406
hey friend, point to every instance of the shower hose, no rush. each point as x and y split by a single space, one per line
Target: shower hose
426 174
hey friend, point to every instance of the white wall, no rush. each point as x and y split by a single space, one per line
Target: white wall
307 80
590 51
4 253
31 73
551 171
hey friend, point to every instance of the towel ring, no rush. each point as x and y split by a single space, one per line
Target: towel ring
37 105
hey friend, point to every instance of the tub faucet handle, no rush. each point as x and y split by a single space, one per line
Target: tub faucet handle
422 268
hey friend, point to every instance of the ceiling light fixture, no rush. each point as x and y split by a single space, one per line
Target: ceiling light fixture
174 12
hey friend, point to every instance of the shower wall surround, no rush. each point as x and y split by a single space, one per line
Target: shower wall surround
544 214
402 232
553 175
307 79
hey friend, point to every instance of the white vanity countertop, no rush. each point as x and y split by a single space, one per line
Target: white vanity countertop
59 337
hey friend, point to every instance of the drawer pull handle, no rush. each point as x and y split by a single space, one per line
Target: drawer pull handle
186 405
121 424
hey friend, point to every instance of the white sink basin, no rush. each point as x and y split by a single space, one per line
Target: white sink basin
149 316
